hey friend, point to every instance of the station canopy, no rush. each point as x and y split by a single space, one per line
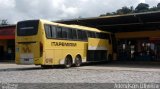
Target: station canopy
121 23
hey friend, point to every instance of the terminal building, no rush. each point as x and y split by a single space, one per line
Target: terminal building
137 35
7 42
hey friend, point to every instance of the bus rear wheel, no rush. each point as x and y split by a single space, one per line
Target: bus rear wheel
68 62
78 62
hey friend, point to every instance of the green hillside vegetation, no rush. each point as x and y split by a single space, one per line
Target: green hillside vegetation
142 7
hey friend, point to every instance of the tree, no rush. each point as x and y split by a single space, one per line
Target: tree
153 9
158 6
108 14
3 22
142 7
102 15
124 10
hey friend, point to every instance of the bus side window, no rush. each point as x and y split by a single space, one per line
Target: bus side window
53 32
106 36
48 31
84 33
74 34
101 35
70 37
98 35
64 33
59 32
80 35
91 34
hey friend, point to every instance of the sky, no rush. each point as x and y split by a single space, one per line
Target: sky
18 10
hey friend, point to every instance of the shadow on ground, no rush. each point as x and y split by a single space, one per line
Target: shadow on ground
32 68
127 64
121 64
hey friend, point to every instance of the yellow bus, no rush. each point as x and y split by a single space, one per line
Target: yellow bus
46 43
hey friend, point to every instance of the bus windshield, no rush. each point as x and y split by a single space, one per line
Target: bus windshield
27 28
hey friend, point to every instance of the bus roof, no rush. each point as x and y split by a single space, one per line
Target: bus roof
73 26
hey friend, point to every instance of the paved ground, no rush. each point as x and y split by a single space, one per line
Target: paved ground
99 73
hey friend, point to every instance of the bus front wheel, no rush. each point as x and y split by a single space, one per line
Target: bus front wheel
68 62
78 61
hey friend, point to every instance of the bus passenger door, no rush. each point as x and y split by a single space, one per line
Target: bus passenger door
97 50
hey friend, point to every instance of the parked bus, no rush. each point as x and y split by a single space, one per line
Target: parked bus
46 43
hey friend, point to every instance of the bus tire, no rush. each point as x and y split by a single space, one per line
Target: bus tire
68 62
78 61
